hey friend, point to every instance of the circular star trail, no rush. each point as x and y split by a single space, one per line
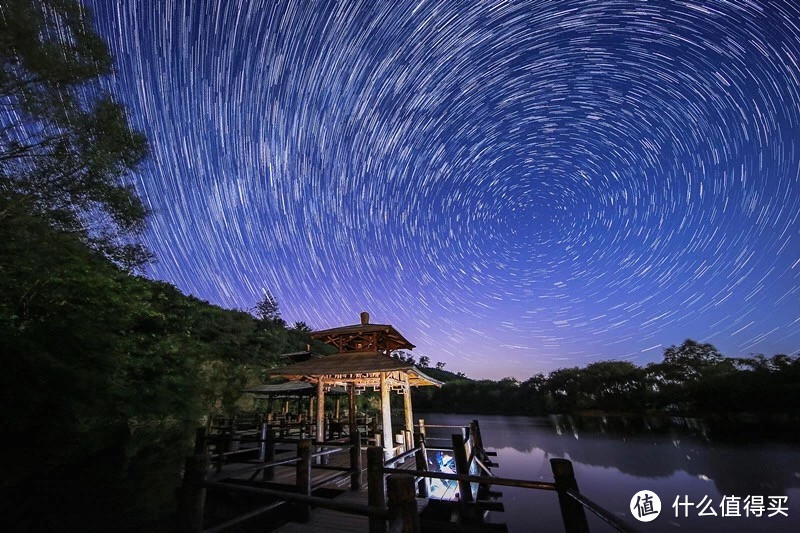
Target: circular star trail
516 186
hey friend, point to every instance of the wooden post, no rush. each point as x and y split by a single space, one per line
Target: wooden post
338 405
477 439
192 494
386 412
320 429
423 487
220 450
477 429
262 446
311 408
374 422
200 440
462 466
351 409
303 477
268 474
320 411
572 512
356 468
402 505
422 428
284 428
407 410
286 406
376 491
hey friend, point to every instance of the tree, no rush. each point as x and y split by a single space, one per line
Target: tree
564 387
121 368
614 385
65 145
301 327
693 354
267 310
405 357
440 365
424 361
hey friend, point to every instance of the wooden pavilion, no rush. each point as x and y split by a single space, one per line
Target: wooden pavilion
363 362
300 391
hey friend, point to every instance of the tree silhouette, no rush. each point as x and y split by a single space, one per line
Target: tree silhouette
65 145
267 309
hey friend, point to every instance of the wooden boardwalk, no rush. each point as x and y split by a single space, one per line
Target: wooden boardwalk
321 519
327 520
302 487
286 474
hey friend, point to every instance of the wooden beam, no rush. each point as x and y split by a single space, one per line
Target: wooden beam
407 410
386 412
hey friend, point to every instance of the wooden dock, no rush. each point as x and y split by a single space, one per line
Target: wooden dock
320 519
327 520
293 485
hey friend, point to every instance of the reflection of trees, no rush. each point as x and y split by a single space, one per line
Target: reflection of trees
666 449
648 447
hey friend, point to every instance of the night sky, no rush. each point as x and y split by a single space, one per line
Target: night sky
516 186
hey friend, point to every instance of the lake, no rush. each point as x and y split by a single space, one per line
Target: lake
615 457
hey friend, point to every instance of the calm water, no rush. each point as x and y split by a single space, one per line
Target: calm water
614 458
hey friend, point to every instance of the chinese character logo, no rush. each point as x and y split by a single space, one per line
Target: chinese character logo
645 505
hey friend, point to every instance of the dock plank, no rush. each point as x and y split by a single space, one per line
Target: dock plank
327 520
320 519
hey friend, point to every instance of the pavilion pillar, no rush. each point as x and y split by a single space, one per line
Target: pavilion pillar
338 404
407 410
311 409
351 409
320 411
386 412
286 406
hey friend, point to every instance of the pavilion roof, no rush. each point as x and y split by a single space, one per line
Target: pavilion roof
341 337
352 367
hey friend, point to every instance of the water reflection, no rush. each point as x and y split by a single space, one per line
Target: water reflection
615 457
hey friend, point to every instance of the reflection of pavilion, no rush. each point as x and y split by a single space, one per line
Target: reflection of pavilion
363 362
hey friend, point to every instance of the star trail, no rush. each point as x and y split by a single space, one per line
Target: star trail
516 186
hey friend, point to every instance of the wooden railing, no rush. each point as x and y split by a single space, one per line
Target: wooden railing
392 492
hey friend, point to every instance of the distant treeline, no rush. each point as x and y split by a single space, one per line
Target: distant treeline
693 378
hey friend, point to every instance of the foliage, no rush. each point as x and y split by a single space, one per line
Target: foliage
95 356
65 145
267 309
693 378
